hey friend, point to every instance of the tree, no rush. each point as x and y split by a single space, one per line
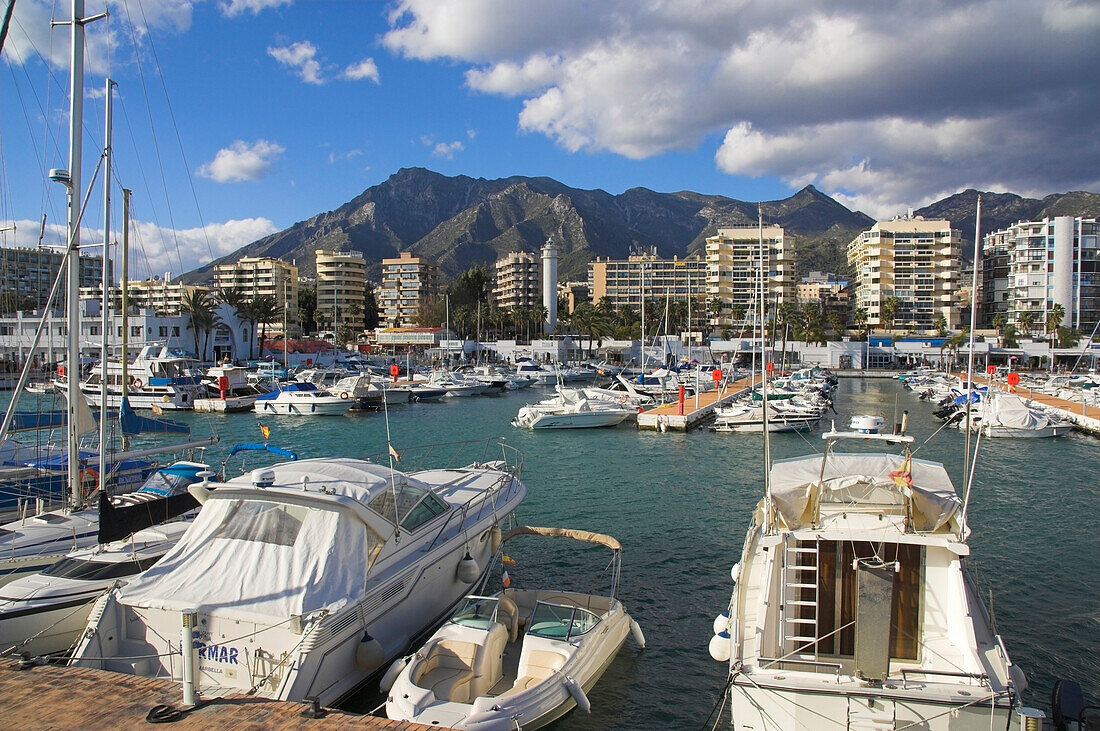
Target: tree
889 312
264 309
593 323
837 322
1025 320
199 308
940 324
860 320
1054 318
999 322
1068 337
370 307
1008 337
307 308
471 286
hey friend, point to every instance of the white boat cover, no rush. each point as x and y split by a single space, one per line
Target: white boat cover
796 486
1010 411
251 560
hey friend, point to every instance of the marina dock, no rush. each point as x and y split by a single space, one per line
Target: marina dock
1085 417
49 696
668 417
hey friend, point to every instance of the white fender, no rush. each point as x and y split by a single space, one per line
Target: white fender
494 538
735 572
391 675
468 571
720 647
369 654
577 692
636 630
722 622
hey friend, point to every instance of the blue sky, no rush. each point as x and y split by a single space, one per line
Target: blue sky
238 118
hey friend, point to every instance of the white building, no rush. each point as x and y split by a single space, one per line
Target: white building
733 265
915 260
1033 265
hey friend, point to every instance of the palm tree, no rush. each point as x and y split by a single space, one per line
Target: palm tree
999 321
1025 320
262 310
940 324
1008 337
1055 315
593 323
859 319
199 308
889 312
837 323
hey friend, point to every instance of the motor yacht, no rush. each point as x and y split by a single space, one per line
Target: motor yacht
300 399
158 376
520 657
572 409
301 579
852 605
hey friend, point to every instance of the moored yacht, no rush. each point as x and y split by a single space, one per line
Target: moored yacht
302 579
158 376
300 399
852 605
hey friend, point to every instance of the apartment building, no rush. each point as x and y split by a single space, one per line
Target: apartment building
254 277
341 288
733 271
30 273
624 282
407 283
516 280
159 294
915 260
1033 265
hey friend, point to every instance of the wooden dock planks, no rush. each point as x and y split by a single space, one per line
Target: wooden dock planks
63 698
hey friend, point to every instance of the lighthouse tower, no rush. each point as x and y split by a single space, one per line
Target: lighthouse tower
550 284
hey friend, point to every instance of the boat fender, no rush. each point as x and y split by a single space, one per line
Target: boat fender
369 655
720 647
495 538
468 570
391 675
636 630
344 395
735 572
722 622
577 692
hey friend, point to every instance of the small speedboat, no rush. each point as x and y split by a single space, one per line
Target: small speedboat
526 655
572 409
300 399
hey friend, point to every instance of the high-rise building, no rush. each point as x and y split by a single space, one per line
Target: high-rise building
341 288
30 273
516 281
622 283
733 272
915 260
1033 265
253 277
159 294
408 283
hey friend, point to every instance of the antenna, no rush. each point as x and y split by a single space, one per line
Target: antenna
968 473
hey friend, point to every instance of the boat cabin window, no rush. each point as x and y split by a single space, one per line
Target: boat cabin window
837 593
258 520
168 483
478 612
75 568
560 622
411 505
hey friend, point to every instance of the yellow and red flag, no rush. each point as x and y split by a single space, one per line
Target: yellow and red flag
903 475
265 430
508 560
394 454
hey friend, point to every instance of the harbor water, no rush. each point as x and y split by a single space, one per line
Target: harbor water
680 505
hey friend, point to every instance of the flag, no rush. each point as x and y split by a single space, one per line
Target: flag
508 560
394 454
265 430
506 580
157 409
903 476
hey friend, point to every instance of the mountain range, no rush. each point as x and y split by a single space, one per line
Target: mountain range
461 222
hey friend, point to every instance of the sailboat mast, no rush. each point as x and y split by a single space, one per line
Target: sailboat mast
76 114
764 373
967 474
124 300
106 305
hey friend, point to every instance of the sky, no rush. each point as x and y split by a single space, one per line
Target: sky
234 119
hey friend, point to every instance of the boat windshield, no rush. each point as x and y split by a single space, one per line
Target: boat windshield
560 621
478 612
257 520
79 568
415 505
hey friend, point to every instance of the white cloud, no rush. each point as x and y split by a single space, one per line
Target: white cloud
447 150
155 249
365 69
242 161
301 58
883 103
233 8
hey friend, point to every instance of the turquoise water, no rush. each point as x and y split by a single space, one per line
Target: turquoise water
680 505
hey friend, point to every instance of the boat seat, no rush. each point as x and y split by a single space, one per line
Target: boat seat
490 661
508 613
540 665
448 670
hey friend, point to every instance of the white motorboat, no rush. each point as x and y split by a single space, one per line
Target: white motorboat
157 377
44 613
852 606
456 384
1007 415
530 369
300 399
749 417
304 578
418 390
229 389
518 658
367 390
29 545
571 409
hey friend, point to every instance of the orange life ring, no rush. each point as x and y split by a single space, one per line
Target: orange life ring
344 395
89 480
136 382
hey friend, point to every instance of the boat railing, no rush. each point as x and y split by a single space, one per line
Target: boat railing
812 665
982 678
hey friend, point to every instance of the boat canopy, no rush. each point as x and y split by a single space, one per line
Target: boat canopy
274 553
578 535
798 486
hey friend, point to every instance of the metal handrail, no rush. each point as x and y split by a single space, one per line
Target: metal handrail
982 678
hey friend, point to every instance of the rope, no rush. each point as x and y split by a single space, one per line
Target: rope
734 672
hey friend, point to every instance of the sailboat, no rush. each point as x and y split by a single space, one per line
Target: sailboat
852 606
